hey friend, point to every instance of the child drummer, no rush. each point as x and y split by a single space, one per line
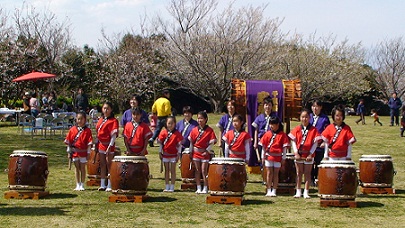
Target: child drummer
275 144
237 141
304 141
136 134
79 141
202 139
169 151
338 137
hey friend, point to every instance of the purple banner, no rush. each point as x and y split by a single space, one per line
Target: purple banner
256 91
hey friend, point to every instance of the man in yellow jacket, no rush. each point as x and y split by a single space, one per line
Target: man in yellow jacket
162 108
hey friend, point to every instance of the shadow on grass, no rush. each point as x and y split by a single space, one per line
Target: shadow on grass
160 199
399 191
32 211
60 196
256 202
369 204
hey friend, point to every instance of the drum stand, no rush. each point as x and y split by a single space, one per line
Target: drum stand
188 186
115 198
13 194
236 200
369 190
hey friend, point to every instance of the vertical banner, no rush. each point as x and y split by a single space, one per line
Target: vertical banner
256 91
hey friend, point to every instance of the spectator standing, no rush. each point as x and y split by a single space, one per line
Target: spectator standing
361 111
81 101
162 108
395 104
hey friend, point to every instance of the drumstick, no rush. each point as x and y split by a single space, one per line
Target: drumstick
70 163
161 166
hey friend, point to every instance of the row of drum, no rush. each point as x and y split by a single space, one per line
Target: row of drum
28 171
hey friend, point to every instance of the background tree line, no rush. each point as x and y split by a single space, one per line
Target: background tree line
198 50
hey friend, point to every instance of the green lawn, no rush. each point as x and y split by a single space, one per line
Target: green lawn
67 208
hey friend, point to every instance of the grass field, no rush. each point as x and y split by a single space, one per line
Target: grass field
67 208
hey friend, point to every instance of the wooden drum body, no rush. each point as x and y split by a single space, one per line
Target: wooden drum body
94 169
376 171
287 175
227 176
129 175
337 180
187 168
28 170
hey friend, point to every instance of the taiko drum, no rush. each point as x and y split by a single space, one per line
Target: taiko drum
287 174
187 167
376 171
129 175
94 169
227 176
28 170
337 180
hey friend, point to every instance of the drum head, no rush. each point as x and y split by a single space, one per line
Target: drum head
227 160
27 153
130 159
377 157
342 163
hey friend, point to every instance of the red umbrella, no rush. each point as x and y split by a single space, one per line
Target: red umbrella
33 76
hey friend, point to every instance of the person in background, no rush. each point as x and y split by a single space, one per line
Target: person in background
374 114
94 116
402 121
135 102
395 104
79 141
26 103
107 132
361 111
162 108
34 104
262 124
338 137
45 100
225 124
185 126
319 120
52 101
81 101
169 151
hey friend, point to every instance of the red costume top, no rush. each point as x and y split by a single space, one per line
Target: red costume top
79 145
170 144
338 148
312 136
106 128
141 136
237 150
202 141
275 152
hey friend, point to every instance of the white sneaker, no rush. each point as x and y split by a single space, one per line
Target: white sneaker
268 194
108 189
171 188
273 193
306 196
167 188
77 187
205 190
297 193
81 187
198 191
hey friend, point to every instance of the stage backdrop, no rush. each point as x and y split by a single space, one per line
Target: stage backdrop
249 95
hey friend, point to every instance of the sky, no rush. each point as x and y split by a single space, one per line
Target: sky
368 22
